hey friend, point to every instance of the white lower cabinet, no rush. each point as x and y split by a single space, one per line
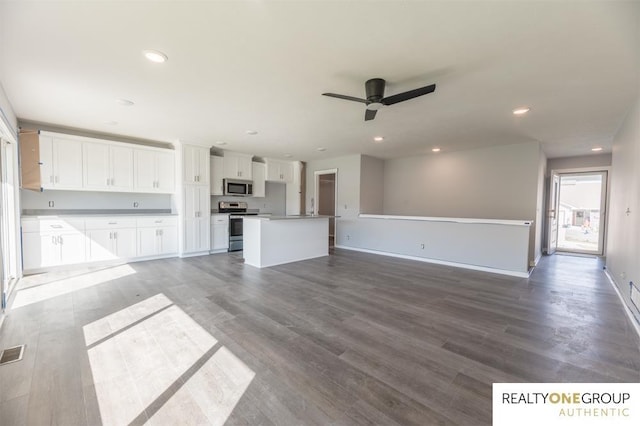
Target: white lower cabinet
157 236
219 232
110 238
52 242
55 242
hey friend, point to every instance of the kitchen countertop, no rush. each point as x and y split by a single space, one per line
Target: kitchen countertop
291 217
96 213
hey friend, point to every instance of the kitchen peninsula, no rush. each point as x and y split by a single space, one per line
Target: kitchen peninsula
274 240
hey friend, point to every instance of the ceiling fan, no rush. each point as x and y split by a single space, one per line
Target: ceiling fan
374 89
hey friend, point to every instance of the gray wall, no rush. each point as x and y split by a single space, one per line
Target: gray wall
371 185
274 201
488 183
348 191
73 200
623 247
596 160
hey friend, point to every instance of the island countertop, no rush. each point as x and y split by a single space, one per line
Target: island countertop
290 217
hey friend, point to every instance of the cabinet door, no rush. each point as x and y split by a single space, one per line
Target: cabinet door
202 161
196 164
96 168
191 201
67 163
273 171
46 162
145 170
258 179
100 245
286 172
121 173
147 242
166 174
125 243
168 238
230 165
204 233
71 248
217 174
219 237
39 250
245 168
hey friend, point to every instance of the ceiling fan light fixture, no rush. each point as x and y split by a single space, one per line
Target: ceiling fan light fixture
521 110
155 56
374 106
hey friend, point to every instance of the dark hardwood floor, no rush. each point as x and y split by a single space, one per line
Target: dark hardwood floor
352 338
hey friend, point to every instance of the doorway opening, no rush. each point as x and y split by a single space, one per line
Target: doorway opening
326 190
577 224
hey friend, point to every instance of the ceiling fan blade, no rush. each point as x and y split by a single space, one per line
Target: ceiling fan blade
348 98
370 114
405 96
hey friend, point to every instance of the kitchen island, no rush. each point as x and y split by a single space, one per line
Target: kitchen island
274 240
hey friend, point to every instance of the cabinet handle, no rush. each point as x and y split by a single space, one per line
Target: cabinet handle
53 240
158 221
60 240
51 179
113 181
115 235
161 232
57 179
111 235
113 223
56 226
107 181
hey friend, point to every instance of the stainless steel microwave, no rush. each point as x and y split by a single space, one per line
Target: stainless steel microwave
240 188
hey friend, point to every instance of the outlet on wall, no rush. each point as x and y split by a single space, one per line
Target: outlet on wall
422 246
135 204
51 203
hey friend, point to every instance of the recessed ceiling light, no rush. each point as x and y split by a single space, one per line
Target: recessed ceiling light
596 149
111 123
522 110
435 149
321 149
221 143
155 56
378 138
288 156
251 132
124 102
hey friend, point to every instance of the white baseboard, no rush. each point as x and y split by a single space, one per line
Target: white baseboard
632 317
200 253
441 262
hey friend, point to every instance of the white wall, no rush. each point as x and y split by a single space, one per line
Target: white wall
371 185
538 227
623 244
6 112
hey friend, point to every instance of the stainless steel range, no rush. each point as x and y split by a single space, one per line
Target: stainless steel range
237 210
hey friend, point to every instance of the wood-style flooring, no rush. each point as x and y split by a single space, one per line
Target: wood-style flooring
348 339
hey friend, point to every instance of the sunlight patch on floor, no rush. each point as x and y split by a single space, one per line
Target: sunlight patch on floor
40 293
152 359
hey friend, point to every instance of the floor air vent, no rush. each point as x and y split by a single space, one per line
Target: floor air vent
11 355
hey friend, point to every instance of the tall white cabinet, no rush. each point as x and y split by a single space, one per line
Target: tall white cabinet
196 201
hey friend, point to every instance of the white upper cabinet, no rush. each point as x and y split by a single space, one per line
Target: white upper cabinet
279 171
259 171
154 171
237 166
107 167
196 164
217 174
61 162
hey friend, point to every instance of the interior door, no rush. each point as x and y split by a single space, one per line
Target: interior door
552 213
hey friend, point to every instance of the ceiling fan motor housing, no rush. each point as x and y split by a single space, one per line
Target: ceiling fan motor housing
375 90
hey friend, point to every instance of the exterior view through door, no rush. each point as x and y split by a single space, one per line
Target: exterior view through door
577 215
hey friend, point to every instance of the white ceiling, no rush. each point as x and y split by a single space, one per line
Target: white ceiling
263 65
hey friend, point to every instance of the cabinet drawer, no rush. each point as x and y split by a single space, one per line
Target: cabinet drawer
110 223
148 222
50 225
220 219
